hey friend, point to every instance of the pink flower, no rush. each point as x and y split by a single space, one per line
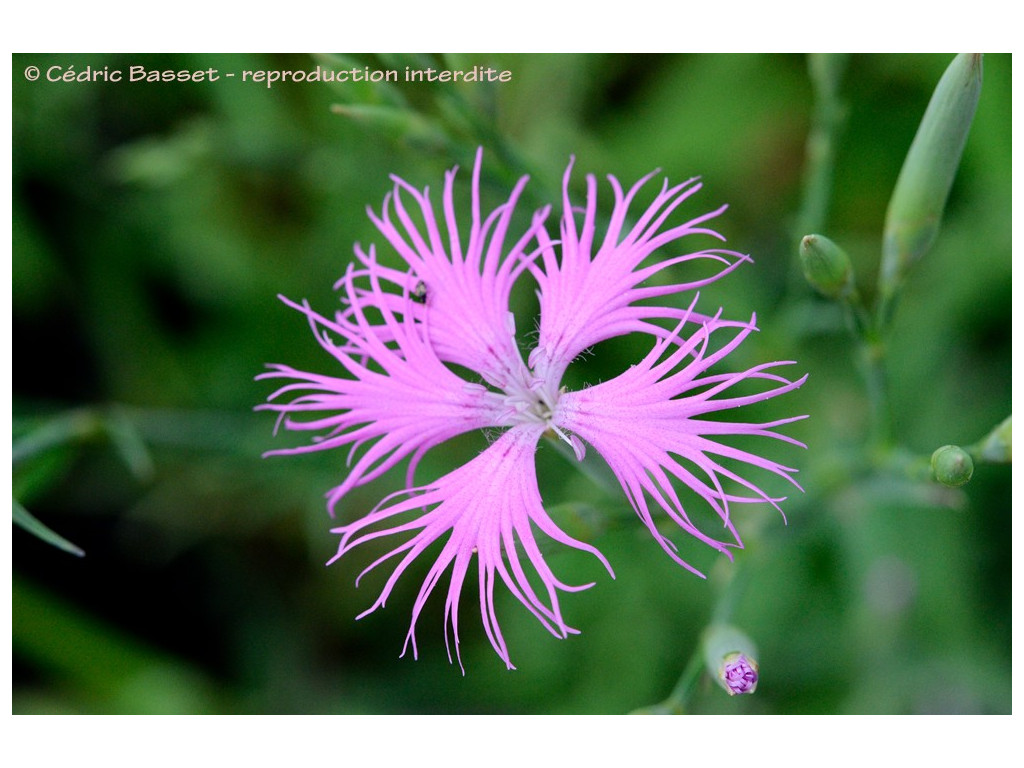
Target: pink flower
406 339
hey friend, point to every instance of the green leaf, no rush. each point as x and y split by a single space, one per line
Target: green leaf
30 523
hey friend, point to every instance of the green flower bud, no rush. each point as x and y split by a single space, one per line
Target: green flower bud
826 266
731 658
952 465
915 209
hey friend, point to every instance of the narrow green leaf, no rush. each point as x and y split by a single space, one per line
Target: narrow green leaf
124 434
30 523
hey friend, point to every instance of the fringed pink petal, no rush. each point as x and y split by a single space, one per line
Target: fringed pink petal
486 509
463 289
588 297
641 422
399 398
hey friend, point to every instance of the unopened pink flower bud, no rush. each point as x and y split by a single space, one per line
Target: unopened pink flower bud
738 674
730 656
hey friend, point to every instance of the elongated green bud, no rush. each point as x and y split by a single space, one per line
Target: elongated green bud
826 266
997 447
952 465
731 658
915 208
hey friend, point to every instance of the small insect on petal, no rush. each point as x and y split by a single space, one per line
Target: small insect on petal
419 293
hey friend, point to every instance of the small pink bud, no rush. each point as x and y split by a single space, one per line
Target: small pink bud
730 657
738 674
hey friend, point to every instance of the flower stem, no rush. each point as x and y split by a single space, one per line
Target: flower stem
827 120
873 367
676 702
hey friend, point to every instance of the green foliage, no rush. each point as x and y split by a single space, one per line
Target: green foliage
155 224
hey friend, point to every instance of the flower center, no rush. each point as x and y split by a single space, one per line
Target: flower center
531 401
535 401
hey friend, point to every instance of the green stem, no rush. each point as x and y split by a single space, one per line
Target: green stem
827 120
676 702
726 606
858 319
873 367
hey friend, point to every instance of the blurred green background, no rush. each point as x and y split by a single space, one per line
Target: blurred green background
155 223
